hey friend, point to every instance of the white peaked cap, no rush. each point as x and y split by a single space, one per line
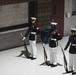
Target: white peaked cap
73 29
54 23
33 18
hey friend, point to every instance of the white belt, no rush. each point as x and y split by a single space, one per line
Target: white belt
73 44
53 39
33 32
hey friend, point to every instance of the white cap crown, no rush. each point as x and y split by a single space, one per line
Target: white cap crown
73 29
33 18
54 23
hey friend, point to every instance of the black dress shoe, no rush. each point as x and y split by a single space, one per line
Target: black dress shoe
29 57
53 65
50 64
70 71
32 58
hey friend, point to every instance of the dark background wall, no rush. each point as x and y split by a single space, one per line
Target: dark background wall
58 14
10 36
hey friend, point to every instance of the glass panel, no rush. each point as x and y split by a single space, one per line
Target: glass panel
13 14
73 7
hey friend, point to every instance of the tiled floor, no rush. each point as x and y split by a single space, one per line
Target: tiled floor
12 65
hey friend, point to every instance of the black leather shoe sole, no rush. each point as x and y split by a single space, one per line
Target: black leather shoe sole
53 65
33 58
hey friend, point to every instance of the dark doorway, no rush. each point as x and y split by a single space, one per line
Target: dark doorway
58 14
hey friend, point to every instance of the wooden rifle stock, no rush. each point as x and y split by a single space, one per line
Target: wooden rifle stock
65 61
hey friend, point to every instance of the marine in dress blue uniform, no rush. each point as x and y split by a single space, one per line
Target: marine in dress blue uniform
72 50
53 36
33 30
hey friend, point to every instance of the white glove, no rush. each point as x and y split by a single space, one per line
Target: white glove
43 44
24 38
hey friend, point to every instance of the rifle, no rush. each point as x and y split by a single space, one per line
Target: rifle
45 57
25 52
65 61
